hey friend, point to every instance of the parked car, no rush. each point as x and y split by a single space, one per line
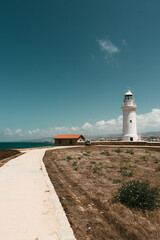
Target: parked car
88 142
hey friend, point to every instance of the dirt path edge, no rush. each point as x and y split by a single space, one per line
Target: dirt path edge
65 231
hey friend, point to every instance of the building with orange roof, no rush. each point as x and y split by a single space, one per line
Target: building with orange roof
66 140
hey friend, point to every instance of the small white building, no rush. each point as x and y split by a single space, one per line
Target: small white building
129 118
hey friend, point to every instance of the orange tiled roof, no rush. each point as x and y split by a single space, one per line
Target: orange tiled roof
68 136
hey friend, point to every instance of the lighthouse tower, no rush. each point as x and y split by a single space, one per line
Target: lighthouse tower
129 118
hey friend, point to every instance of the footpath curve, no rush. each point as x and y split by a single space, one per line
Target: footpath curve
29 206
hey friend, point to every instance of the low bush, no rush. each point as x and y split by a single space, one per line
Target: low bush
86 154
156 160
136 194
106 152
130 151
74 163
69 158
118 150
116 181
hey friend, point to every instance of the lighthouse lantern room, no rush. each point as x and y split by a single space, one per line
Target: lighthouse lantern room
129 118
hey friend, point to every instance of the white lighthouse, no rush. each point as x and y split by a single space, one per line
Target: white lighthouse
129 118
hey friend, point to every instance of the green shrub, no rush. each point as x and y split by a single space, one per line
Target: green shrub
122 169
74 163
144 158
69 158
118 150
136 194
106 152
116 181
156 160
130 151
86 154
92 162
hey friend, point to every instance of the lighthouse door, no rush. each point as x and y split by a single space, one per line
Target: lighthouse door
131 139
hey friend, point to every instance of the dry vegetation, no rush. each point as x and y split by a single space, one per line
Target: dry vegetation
87 178
6 155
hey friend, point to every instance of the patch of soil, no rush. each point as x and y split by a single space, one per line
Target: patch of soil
86 180
6 155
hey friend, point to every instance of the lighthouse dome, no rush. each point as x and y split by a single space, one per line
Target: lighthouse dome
128 95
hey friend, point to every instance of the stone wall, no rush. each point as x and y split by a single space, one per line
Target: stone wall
122 143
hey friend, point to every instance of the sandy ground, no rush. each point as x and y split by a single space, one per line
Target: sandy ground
26 212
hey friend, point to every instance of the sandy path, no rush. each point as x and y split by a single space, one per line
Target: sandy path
26 212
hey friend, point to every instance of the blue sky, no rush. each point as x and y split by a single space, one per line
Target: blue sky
65 66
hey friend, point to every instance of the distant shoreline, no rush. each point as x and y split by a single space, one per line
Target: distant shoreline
24 145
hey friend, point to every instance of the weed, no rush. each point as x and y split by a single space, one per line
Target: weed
86 154
118 150
95 170
144 158
88 167
69 158
127 174
105 153
76 168
79 158
122 169
136 194
92 162
99 168
74 163
116 181
113 166
156 160
130 151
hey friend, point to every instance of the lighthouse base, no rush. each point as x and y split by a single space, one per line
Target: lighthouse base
130 138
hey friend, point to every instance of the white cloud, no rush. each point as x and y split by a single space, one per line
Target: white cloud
149 121
145 122
75 129
87 126
8 131
18 131
107 46
61 129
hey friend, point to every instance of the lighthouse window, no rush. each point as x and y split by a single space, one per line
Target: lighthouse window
128 97
130 121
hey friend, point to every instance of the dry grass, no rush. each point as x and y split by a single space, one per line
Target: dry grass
6 155
94 175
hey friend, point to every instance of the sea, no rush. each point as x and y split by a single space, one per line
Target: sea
18 145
